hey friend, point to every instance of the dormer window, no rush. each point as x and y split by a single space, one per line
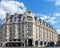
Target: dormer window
15 18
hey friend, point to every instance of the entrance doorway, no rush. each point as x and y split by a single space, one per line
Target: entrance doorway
29 42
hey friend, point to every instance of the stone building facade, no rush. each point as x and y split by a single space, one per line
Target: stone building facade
27 30
1 35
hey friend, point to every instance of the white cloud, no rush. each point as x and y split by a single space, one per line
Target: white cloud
52 20
44 17
58 26
58 31
2 13
56 14
57 2
11 6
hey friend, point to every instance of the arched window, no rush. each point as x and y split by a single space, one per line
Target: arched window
41 43
11 18
19 17
45 43
36 42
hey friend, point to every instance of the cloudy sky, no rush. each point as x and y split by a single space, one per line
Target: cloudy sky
48 10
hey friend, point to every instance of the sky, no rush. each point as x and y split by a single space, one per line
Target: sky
48 10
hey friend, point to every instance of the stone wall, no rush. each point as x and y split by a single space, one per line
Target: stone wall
29 47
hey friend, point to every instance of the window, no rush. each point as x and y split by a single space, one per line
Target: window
19 16
11 17
10 29
19 39
29 18
6 19
10 33
19 20
29 26
36 42
29 23
46 24
35 18
18 34
15 18
23 18
29 33
18 27
41 43
14 39
14 34
10 37
9 25
40 20
43 22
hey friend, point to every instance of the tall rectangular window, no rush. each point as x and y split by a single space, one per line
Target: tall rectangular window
29 27
15 18
23 18
19 35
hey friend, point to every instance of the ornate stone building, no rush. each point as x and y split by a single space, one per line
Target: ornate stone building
27 30
1 35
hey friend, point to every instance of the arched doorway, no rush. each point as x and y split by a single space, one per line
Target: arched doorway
41 43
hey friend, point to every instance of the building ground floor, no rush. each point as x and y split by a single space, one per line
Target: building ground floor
0 44
26 42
